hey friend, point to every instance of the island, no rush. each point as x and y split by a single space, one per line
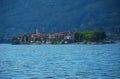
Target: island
84 37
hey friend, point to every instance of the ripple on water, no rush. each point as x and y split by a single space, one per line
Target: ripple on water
34 78
60 62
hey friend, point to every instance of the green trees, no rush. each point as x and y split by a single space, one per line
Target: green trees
99 35
79 36
15 41
93 36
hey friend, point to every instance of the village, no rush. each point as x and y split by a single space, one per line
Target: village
49 38
80 37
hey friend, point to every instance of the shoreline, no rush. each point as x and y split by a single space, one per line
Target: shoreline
84 43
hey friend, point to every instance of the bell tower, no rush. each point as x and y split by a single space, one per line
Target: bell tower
37 31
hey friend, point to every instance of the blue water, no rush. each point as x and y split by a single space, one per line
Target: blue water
60 61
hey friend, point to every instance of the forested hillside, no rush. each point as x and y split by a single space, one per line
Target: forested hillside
24 16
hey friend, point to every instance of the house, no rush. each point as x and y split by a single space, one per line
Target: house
49 38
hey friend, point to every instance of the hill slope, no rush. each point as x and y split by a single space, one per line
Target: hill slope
24 16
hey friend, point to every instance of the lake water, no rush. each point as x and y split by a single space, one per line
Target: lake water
60 61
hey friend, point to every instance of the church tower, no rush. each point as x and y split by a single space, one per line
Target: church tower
37 31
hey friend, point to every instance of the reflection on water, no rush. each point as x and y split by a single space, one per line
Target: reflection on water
60 61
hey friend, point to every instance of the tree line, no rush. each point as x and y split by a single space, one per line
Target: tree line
93 36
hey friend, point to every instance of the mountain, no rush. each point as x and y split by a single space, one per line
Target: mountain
24 16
